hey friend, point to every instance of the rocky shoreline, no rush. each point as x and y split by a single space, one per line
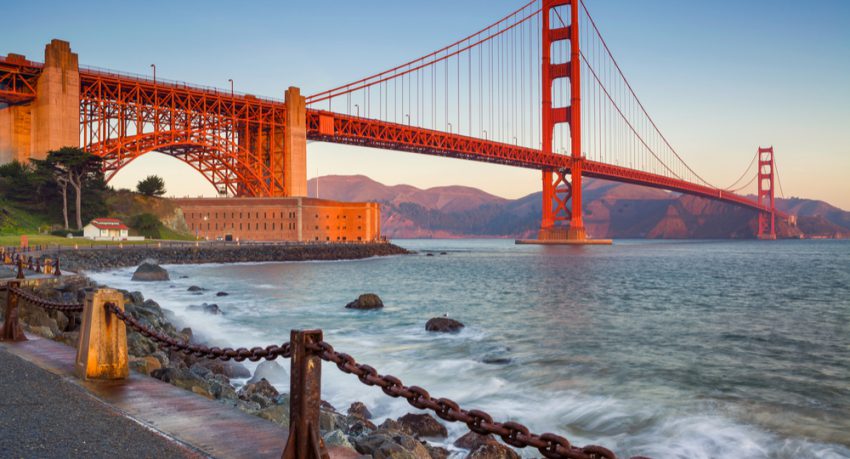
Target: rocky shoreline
406 437
111 257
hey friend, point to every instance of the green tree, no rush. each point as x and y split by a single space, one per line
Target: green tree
152 185
75 167
18 183
147 225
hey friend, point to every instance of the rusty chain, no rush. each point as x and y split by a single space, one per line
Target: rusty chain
254 354
45 304
515 434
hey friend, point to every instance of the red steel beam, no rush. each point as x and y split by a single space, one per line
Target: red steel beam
351 130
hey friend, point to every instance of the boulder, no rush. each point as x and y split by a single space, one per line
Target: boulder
195 289
337 438
229 369
149 271
260 392
271 371
423 425
206 307
383 444
278 414
437 452
493 451
472 440
443 325
366 301
359 410
222 294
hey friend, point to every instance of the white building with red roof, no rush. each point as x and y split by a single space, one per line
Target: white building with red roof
111 229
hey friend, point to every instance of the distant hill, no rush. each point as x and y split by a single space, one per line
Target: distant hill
614 210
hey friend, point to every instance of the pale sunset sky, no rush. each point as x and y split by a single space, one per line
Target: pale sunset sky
720 78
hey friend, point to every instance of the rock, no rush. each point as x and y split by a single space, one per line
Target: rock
220 388
337 438
260 392
229 369
272 371
493 451
206 307
134 297
496 360
41 330
423 425
278 414
437 452
359 410
429 254
70 338
443 325
38 320
359 427
222 294
138 345
472 440
185 379
393 425
331 420
366 301
383 444
149 271
443 253
195 288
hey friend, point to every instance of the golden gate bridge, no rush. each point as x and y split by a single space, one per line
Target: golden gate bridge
539 88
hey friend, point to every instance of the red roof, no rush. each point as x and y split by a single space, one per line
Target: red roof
109 223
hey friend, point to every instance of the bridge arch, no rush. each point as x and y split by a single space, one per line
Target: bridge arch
216 159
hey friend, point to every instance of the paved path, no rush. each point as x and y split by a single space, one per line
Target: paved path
51 413
44 416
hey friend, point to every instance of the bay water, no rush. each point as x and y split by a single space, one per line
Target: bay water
668 349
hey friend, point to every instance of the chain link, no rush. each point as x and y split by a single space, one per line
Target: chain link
45 304
515 434
254 354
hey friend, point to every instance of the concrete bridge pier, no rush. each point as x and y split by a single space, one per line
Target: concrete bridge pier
50 121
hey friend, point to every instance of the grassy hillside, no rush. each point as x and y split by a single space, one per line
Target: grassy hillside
14 220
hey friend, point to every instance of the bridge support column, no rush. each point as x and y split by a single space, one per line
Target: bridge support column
295 144
766 220
52 120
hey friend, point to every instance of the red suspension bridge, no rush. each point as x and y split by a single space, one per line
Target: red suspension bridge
538 89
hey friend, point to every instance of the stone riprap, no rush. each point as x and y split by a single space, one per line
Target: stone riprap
111 257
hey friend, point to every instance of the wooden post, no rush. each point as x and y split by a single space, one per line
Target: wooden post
305 398
12 330
102 348
20 274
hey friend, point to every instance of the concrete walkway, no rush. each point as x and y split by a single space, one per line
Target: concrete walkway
44 416
51 413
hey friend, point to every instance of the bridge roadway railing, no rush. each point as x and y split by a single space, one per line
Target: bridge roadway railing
102 354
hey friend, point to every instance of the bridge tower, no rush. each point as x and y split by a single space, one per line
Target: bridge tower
767 220
562 210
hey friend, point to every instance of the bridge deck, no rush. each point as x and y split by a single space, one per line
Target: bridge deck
207 425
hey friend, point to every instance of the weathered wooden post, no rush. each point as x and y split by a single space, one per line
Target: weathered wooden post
12 330
305 397
102 348
20 274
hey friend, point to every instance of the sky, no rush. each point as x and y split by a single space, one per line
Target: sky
720 78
